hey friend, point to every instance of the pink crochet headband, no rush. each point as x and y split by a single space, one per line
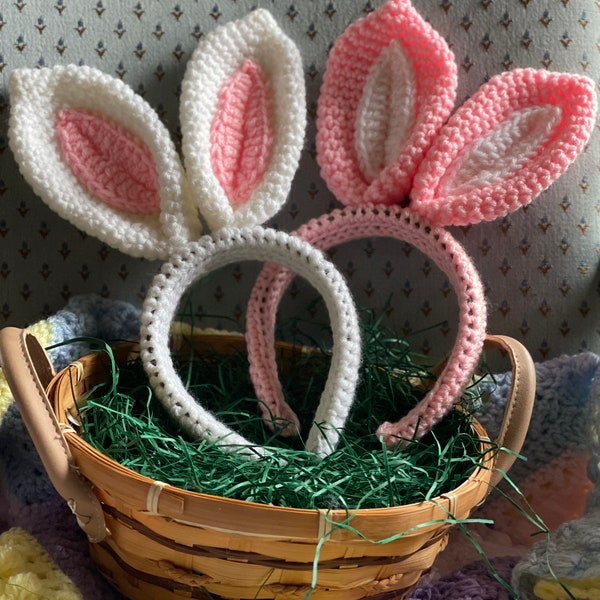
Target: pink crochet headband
98 154
388 154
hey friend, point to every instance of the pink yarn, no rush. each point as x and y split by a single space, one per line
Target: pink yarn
387 91
114 166
242 135
504 146
355 223
351 61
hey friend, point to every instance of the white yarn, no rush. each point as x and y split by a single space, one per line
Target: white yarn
386 111
217 57
502 151
231 245
36 97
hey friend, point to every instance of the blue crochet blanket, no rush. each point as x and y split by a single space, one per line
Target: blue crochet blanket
566 421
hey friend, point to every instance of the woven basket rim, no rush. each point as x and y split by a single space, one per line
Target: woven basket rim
457 502
474 479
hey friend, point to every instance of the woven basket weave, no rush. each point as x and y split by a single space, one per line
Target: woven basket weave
167 543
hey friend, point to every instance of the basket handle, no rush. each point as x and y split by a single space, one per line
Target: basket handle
28 371
519 404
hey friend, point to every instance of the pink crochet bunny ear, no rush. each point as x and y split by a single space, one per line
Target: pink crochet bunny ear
243 119
389 86
504 146
99 156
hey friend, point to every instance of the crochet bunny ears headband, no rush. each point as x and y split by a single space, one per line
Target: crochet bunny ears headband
404 168
98 154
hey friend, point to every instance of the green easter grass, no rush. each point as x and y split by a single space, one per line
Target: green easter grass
123 420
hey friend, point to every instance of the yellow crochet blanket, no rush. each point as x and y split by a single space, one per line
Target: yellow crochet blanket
27 571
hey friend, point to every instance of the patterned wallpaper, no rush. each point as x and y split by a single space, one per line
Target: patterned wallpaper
539 265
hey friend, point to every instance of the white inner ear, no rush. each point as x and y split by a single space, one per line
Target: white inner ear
386 111
503 150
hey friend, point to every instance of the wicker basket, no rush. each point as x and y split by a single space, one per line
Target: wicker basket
165 542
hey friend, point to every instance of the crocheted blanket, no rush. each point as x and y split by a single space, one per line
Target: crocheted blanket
43 553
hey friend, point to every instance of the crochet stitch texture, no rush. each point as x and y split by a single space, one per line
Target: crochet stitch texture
112 164
118 176
383 143
382 139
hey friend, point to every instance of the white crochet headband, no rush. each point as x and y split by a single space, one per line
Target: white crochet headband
98 155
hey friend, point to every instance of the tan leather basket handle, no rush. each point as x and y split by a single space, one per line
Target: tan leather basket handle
519 404
28 371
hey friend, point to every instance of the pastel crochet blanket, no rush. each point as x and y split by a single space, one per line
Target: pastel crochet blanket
44 554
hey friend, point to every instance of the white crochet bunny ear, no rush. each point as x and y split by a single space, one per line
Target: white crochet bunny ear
504 146
100 157
243 118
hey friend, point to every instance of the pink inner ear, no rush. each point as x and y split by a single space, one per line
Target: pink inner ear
242 135
113 165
